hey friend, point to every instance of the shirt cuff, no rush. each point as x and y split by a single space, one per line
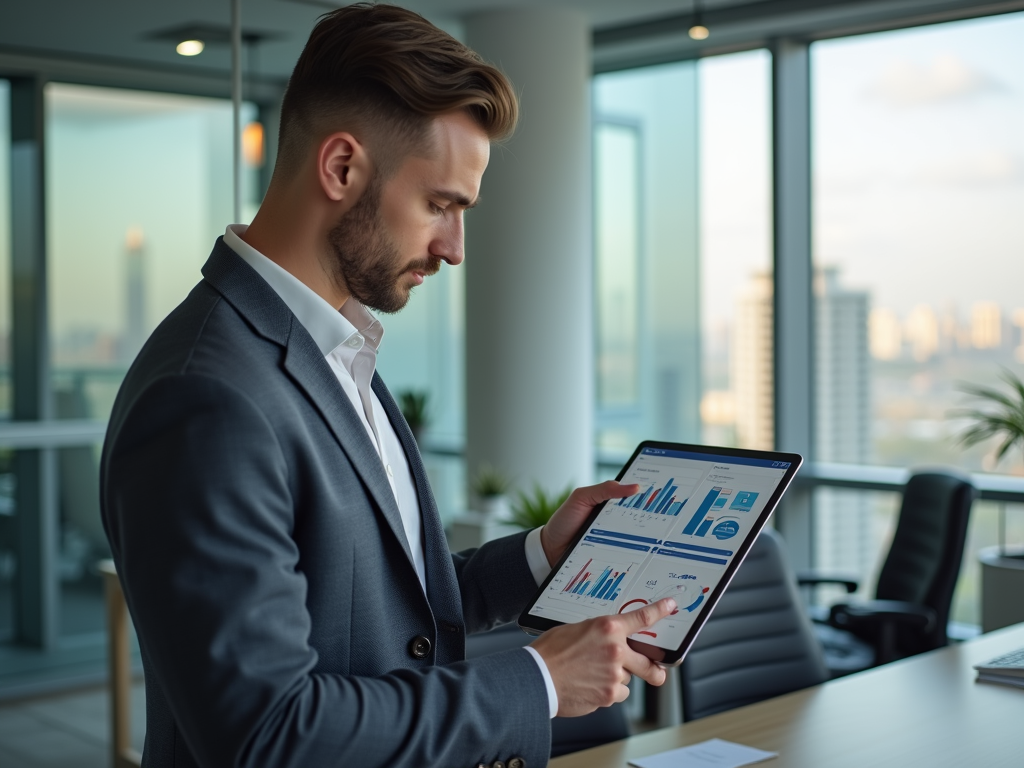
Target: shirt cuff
548 682
536 558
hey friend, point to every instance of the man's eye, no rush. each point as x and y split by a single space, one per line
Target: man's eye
435 208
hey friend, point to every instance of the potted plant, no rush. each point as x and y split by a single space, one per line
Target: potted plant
536 508
413 405
1002 567
491 488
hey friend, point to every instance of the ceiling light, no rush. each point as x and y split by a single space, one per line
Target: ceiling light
697 30
252 145
190 47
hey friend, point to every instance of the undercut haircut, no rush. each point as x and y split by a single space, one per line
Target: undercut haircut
383 73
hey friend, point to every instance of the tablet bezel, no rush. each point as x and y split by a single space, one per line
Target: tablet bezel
536 625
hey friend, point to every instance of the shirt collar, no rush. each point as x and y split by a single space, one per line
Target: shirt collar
328 327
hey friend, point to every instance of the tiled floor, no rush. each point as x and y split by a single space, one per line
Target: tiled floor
66 731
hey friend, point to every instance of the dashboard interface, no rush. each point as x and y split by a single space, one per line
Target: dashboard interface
675 538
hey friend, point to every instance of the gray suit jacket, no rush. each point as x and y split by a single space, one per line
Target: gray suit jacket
267 571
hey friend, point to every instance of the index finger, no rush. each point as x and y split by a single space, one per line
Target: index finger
647 616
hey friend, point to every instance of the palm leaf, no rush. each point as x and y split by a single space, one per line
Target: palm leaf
1003 418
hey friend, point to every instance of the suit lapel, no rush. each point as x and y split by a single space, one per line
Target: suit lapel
442 584
269 316
311 371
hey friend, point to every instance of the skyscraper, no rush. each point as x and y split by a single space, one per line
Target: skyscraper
842 420
135 331
752 360
842 403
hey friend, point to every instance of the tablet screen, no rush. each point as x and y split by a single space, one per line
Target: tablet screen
675 538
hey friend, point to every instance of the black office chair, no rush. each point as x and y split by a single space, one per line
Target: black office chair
910 612
758 642
568 734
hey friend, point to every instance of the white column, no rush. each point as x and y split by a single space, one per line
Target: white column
529 339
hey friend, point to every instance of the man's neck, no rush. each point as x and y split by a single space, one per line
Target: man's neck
296 242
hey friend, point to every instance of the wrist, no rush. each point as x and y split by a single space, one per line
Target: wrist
549 550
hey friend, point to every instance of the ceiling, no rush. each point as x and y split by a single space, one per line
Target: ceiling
131 42
127 31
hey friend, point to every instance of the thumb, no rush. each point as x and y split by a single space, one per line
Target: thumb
609 489
647 616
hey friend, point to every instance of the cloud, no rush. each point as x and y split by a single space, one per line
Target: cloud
947 78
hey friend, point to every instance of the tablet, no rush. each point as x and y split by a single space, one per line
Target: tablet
683 535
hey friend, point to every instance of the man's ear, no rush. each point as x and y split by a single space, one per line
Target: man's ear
343 167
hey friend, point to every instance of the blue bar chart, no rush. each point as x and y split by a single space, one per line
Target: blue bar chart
700 523
658 501
598 581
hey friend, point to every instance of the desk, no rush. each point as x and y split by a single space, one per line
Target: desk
922 711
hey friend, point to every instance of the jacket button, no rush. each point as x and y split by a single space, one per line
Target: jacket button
517 762
419 647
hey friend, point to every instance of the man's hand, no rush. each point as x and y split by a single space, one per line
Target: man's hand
563 525
591 663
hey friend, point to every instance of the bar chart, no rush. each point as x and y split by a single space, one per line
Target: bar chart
658 501
598 581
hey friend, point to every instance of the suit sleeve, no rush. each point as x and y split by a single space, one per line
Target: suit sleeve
503 562
197 505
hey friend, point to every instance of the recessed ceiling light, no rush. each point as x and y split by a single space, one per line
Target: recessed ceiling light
697 32
190 47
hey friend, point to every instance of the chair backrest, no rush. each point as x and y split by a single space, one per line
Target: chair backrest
758 643
924 560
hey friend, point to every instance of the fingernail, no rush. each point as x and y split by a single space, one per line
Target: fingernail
671 604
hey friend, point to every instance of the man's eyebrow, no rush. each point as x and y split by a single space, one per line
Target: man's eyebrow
458 198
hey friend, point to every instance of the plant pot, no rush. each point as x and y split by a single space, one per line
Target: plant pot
1002 587
496 507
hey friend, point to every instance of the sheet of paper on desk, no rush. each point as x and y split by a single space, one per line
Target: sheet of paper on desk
714 753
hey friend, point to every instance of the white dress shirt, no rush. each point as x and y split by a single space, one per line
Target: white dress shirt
349 340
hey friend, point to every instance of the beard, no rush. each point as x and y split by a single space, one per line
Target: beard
367 264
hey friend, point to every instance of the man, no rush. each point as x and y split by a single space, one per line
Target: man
271 521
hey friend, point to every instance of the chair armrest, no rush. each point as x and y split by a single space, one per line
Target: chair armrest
877 612
814 578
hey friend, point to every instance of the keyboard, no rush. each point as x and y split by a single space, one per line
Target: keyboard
1007 669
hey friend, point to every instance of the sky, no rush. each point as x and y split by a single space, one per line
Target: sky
918 156
919 162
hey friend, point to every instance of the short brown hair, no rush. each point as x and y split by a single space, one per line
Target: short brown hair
387 71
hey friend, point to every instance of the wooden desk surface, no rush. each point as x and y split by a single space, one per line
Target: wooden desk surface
922 711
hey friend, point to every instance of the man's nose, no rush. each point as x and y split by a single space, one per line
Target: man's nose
450 244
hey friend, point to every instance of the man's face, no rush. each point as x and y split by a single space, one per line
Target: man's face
400 231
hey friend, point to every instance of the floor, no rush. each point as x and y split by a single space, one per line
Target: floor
65 731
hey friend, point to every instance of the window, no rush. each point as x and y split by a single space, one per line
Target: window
682 231
737 406
647 293
918 186
139 185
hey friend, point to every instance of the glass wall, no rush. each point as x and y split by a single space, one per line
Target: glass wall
682 245
736 249
918 239
138 187
918 189
647 275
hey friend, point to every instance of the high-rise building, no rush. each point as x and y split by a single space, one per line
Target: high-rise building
752 360
922 332
986 325
135 331
885 334
842 421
